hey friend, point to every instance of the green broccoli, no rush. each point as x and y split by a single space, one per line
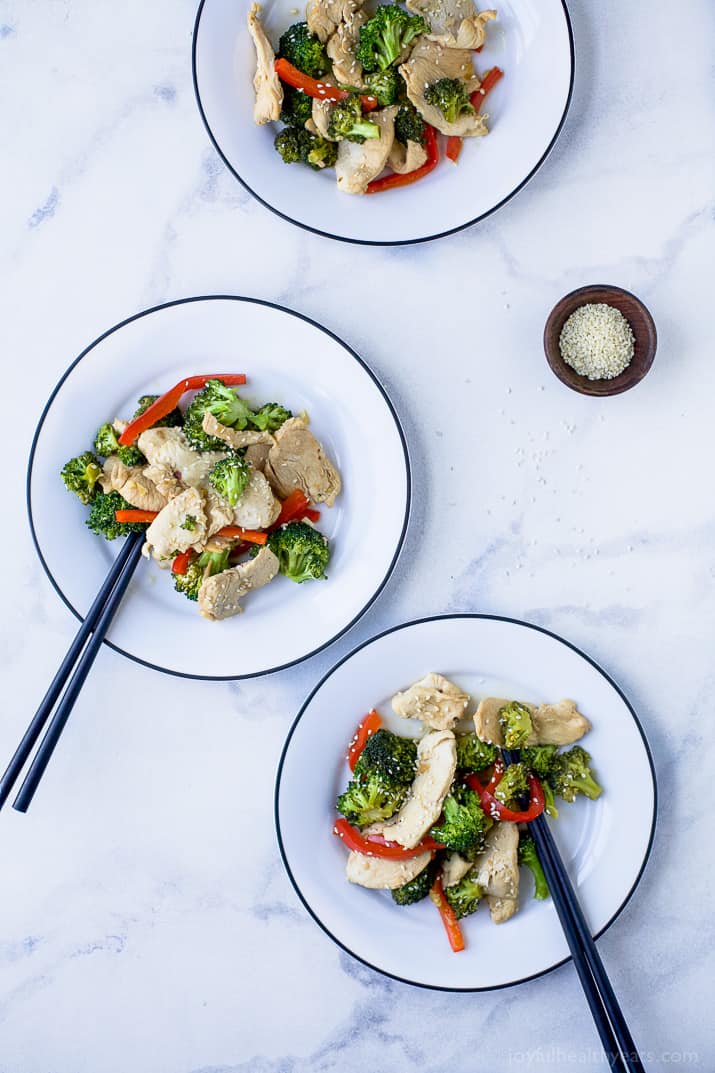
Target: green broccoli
417 888
303 552
230 477
393 757
450 96
409 125
540 760
571 775
297 107
173 419
384 37
298 146
473 754
464 897
463 825
513 788
270 417
80 476
102 520
224 404
205 565
549 799
515 722
189 523
106 443
383 85
348 123
304 50
529 857
381 780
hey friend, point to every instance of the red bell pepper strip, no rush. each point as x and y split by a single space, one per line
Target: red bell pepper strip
181 563
167 402
494 808
454 142
250 536
294 506
369 725
314 515
320 90
390 182
377 846
454 147
449 917
135 515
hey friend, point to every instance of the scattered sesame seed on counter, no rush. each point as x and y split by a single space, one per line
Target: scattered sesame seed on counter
597 341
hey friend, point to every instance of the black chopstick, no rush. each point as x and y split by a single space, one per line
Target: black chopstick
618 1043
89 638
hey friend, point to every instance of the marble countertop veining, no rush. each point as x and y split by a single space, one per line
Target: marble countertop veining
145 919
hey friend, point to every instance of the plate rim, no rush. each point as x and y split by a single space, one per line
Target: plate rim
438 618
353 354
391 242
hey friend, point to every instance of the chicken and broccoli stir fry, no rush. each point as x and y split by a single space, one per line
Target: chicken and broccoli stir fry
442 816
223 491
369 92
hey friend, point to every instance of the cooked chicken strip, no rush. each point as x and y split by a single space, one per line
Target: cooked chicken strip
219 511
341 51
406 158
380 874
436 765
454 23
132 485
324 16
454 869
170 447
320 119
179 526
452 62
220 596
257 455
498 871
235 438
266 83
435 700
258 507
298 460
165 480
421 71
553 724
358 164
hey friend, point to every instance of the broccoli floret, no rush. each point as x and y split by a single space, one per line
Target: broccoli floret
464 897
539 758
230 476
299 146
106 443
529 857
473 754
173 419
226 406
450 96
409 125
297 107
549 799
463 825
80 476
368 799
571 775
417 888
270 417
515 722
304 50
205 565
102 521
513 788
394 758
303 552
383 85
383 38
348 123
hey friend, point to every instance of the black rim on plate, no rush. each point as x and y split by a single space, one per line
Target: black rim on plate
419 622
314 324
393 242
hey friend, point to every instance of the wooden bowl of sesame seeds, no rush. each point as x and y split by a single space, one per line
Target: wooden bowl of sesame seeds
602 335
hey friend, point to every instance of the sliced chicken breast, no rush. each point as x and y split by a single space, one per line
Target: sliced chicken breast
235 438
498 871
358 164
220 596
454 23
553 724
298 460
454 869
180 525
406 158
435 700
324 16
258 507
379 874
425 67
436 765
169 447
341 50
266 83
132 484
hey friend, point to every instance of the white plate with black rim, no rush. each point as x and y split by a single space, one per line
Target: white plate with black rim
289 359
604 843
531 41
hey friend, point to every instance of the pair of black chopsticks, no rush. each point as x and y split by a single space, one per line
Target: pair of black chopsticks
618 1045
82 652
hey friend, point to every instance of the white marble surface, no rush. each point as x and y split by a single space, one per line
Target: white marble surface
146 923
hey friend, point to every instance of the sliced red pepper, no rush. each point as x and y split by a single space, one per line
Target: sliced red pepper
135 515
294 506
250 536
377 846
494 808
369 725
390 182
181 563
454 142
319 89
454 147
314 515
449 917
167 402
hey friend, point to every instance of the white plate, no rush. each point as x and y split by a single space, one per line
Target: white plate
605 843
287 358
532 42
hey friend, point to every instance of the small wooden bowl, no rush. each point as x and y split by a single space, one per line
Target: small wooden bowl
641 323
